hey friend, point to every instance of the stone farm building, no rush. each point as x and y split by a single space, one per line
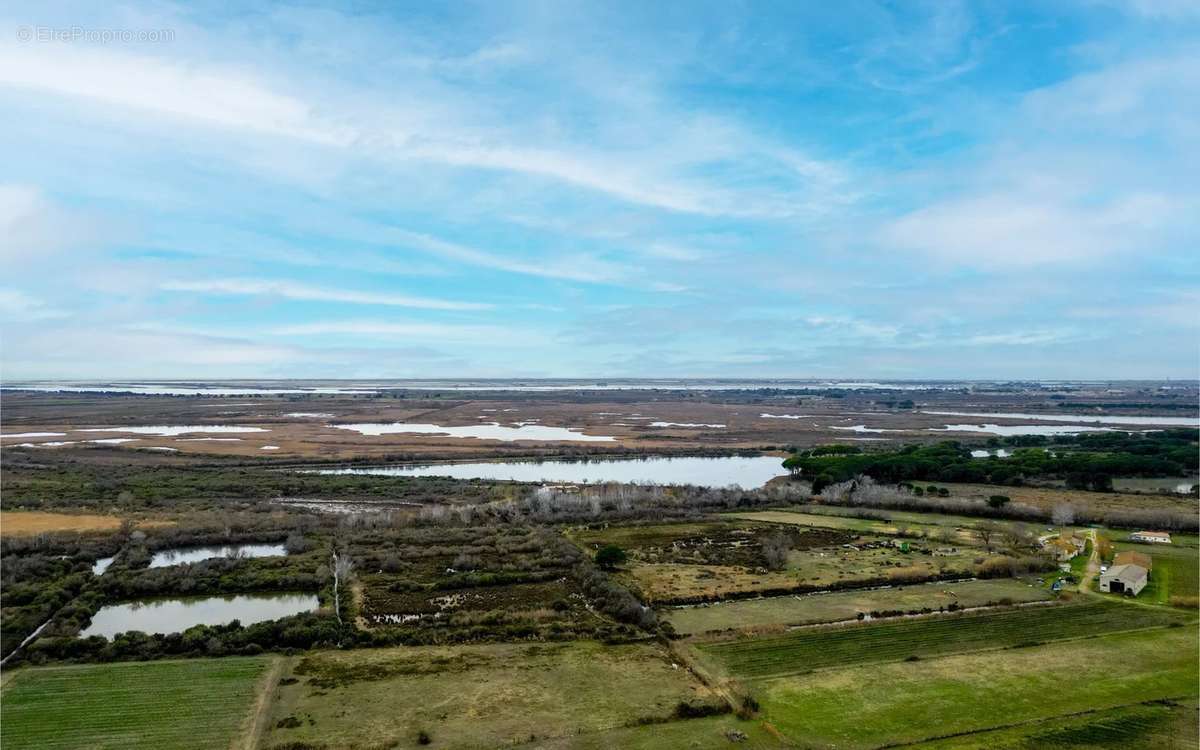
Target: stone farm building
1124 579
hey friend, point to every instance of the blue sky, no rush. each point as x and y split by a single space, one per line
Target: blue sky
865 189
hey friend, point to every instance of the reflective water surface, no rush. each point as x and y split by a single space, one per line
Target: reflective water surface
748 472
101 565
1080 418
491 431
1022 429
176 615
181 555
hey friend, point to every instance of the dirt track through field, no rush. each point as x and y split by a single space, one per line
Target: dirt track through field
261 712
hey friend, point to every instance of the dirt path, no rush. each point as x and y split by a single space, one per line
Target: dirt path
258 719
1093 566
358 596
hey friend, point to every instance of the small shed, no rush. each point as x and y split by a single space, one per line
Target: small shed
1124 579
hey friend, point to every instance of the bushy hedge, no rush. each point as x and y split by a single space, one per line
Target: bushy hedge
1088 461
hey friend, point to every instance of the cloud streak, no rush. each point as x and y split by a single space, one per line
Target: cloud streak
296 291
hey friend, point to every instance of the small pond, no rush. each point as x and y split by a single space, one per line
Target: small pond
749 472
101 565
181 555
492 431
176 615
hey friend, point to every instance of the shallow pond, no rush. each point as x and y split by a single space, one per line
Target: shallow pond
32 434
1078 418
1022 429
749 472
176 615
101 565
491 431
172 430
182 555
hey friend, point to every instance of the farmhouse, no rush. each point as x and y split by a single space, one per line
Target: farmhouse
1124 579
1154 537
1065 546
1131 557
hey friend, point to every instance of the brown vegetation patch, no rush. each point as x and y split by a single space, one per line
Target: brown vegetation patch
22 523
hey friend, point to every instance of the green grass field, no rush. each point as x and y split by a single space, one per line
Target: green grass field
845 605
478 696
1146 726
873 705
838 646
195 704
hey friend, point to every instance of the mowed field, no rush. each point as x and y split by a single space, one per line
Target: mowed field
195 704
483 696
816 648
884 704
780 611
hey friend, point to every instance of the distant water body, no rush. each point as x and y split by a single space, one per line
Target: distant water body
301 387
1080 418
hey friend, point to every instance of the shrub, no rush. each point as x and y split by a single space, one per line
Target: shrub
610 556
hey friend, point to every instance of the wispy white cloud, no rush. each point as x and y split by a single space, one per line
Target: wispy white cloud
1021 338
34 227
1061 187
298 291
1176 10
232 98
569 268
16 306
386 329
1021 229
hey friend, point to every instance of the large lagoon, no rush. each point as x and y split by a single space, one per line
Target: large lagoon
748 472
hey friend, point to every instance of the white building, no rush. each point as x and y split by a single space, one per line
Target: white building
1154 537
1124 579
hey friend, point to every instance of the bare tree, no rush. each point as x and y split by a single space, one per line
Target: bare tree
1017 535
986 531
775 550
344 568
1063 514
